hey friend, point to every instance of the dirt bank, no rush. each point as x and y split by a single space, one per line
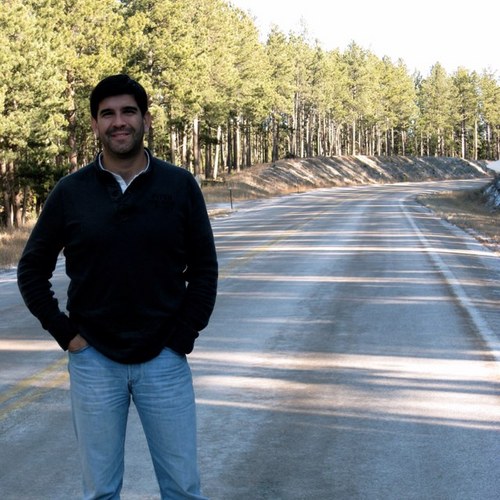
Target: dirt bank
292 175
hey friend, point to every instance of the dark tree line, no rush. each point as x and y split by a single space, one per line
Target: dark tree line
221 99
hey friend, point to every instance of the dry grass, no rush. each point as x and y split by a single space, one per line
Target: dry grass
469 211
12 243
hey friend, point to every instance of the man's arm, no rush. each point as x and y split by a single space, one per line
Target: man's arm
36 266
201 276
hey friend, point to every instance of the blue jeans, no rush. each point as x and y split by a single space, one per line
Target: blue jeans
162 391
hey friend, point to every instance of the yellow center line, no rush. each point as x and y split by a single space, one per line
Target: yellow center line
32 388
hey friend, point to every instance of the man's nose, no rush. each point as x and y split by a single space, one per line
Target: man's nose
119 120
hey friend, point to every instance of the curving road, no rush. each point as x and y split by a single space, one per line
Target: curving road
353 354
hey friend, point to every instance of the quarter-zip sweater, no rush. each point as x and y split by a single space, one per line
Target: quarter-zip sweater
142 264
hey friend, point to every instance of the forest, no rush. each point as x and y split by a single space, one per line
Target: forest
221 98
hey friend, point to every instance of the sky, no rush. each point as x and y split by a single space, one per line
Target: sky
455 33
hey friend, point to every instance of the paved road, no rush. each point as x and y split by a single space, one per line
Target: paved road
353 354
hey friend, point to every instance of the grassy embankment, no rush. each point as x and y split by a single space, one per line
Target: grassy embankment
469 211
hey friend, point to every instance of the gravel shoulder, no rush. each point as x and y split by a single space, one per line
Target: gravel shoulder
471 211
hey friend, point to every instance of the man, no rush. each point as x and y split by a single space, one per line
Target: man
141 260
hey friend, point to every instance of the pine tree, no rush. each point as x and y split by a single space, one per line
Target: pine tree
467 96
437 113
490 108
31 110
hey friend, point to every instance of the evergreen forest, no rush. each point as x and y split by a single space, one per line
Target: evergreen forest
221 98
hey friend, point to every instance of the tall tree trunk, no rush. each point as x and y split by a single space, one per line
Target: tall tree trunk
72 123
248 134
217 152
24 205
463 132
7 215
185 150
208 161
307 138
229 142
353 144
297 127
476 147
237 144
196 147
10 201
151 139
488 141
276 138
173 144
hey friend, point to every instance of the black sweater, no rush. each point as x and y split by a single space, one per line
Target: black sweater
142 264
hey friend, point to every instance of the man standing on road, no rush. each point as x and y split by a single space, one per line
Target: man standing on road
141 260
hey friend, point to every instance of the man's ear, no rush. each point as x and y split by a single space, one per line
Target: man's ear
147 121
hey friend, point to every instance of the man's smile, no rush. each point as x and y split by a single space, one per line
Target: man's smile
120 133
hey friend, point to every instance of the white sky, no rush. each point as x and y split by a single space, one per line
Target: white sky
455 33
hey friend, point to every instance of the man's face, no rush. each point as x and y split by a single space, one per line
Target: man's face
120 126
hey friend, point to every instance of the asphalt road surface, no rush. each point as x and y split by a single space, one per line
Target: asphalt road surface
353 354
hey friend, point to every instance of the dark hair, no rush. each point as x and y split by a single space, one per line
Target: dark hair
118 85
